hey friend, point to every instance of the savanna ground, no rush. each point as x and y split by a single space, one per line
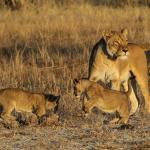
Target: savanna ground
42 48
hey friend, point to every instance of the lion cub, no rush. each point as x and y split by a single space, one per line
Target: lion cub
95 95
23 101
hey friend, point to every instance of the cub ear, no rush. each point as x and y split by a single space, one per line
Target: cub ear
125 33
106 34
75 81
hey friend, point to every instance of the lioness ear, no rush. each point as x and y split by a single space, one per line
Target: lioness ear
106 35
125 33
75 81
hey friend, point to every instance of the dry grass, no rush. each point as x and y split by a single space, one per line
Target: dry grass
43 48
52 42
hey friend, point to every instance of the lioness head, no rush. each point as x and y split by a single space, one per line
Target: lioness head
116 43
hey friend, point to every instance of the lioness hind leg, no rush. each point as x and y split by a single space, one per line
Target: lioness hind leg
145 91
134 102
142 80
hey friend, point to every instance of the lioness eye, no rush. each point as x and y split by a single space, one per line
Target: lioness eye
116 43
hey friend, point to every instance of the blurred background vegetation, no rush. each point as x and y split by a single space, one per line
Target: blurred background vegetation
45 44
16 4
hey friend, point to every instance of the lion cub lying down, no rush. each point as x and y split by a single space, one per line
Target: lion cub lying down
23 101
95 95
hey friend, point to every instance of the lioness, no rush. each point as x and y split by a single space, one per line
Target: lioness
20 100
112 58
105 99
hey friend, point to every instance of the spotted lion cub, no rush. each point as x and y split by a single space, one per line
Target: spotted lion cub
95 95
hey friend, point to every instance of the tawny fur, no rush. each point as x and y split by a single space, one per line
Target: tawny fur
95 95
23 101
106 69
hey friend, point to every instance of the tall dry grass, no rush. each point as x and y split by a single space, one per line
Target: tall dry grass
42 48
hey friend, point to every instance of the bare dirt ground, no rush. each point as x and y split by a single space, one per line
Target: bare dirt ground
74 132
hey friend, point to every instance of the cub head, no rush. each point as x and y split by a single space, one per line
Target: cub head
78 87
116 43
52 102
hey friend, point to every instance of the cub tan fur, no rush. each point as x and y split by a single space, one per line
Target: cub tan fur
20 100
111 60
105 99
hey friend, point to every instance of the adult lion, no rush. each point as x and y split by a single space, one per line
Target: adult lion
112 59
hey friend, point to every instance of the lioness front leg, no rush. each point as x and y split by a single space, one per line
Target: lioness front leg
115 85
